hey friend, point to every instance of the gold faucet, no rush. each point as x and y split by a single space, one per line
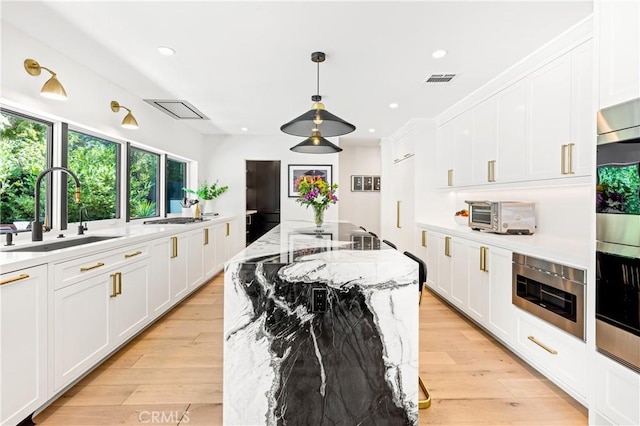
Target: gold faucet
37 228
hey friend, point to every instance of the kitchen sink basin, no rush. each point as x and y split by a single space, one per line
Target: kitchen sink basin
57 245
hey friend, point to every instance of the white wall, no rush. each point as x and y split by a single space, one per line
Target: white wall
224 159
89 97
359 208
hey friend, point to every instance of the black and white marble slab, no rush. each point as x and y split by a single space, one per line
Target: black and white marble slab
354 364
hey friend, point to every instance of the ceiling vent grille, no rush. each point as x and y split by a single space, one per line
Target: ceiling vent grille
440 78
180 110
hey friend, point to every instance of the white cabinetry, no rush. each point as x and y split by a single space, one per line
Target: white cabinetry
561 116
195 257
99 302
539 127
160 283
557 354
617 392
427 250
178 266
23 343
619 37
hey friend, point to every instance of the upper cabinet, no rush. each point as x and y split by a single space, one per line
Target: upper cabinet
540 127
619 38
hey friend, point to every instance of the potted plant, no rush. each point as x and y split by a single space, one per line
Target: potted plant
206 192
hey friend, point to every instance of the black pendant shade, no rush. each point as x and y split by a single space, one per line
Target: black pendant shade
331 125
316 144
317 119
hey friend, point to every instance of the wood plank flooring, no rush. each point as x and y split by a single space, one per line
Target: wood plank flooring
171 374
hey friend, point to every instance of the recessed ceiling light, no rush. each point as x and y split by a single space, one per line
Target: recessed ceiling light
437 54
393 105
244 129
372 130
166 50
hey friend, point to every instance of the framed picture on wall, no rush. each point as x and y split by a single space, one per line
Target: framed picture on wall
356 183
376 183
298 172
367 184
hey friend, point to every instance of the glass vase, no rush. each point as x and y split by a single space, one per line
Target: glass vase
318 213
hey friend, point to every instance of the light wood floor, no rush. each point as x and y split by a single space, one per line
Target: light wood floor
172 375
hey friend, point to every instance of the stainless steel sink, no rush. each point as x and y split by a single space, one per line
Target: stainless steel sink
57 245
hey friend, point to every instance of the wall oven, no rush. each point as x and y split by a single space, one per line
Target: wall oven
618 233
550 291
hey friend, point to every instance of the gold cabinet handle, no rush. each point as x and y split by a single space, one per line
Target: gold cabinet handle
114 279
563 160
206 236
450 177
447 246
88 268
14 279
543 346
119 276
407 155
483 258
570 154
424 238
127 256
398 214
491 171
174 247
228 229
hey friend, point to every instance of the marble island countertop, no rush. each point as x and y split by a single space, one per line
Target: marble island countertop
349 357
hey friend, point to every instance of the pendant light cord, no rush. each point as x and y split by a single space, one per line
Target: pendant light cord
318 79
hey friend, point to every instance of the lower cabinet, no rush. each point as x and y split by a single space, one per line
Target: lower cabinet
23 343
617 393
560 356
160 283
94 314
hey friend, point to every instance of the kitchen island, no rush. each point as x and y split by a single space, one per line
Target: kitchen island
320 327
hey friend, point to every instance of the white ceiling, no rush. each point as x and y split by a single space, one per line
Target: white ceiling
247 64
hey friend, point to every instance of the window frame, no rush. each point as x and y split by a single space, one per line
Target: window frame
64 160
185 179
49 148
159 183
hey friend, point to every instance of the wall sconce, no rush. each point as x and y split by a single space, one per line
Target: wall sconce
129 121
52 89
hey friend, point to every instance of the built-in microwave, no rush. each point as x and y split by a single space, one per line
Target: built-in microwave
502 217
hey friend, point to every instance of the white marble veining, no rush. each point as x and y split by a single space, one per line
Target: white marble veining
285 363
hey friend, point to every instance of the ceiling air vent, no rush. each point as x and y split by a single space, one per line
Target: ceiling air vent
440 78
180 110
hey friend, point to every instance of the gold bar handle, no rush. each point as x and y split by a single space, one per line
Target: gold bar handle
483 258
174 247
129 255
563 160
450 177
206 236
228 229
88 268
114 292
492 171
424 238
398 214
543 346
119 276
570 148
14 279
447 246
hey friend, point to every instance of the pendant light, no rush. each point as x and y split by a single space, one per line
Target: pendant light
317 118
316 144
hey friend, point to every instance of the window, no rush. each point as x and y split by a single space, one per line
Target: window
176 180
25 144
95 162
144 183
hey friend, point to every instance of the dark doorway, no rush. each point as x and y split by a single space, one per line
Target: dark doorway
263 197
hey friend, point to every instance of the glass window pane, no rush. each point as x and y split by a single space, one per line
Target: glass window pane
176 180
23 156
95 162
143 183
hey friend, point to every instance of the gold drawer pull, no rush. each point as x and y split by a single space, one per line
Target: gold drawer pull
398 214
119 276
543 346
447 245
424 238
450 177
174 247
206 235
14 279
127 256
88 268
228 229
570 155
